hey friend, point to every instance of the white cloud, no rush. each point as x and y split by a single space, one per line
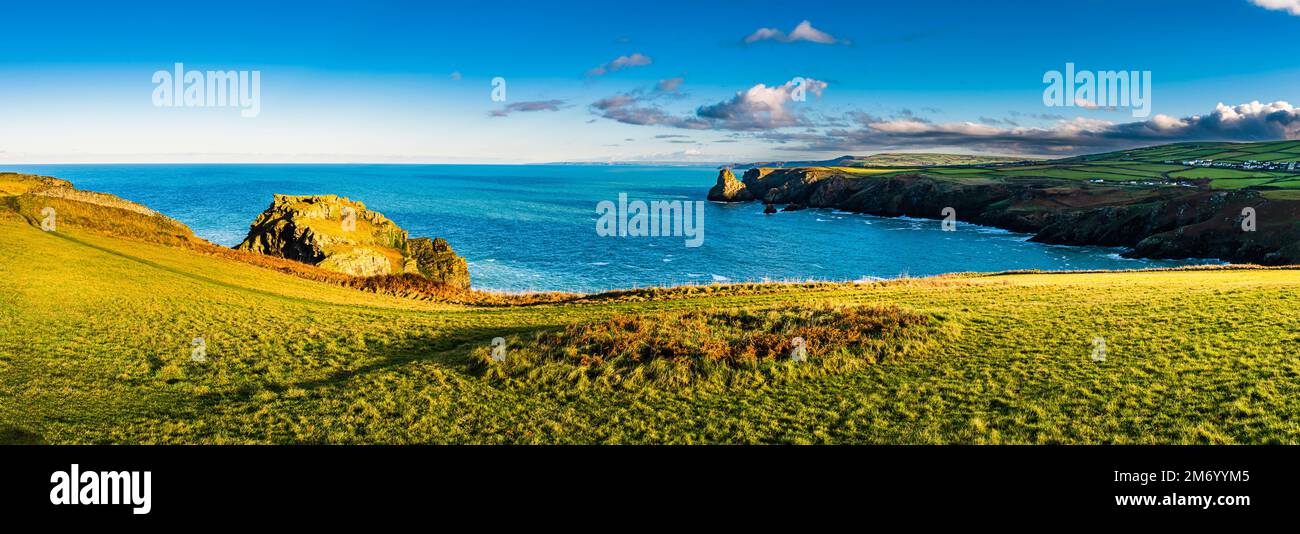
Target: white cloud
1290 6
620 63
758 108
803 32
761 107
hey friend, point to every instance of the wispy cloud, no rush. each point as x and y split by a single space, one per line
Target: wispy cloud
1290 6
532 105
640 107
803 32
669 85
620 63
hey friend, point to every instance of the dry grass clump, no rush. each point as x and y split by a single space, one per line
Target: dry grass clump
713 347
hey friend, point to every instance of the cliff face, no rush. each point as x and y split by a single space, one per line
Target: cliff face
341 235
1156 222
729 189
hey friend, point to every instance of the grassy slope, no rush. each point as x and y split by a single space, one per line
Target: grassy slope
94 347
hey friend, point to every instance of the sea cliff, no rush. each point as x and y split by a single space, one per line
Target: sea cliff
1154 222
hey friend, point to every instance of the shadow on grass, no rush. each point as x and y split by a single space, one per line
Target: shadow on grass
12 435
449 351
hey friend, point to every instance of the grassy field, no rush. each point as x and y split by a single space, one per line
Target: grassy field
97 337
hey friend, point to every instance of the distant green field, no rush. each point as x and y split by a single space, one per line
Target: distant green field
1075 173
1154 168
960 170
1285 194
1267 156
1238 183
1148 165
1219 173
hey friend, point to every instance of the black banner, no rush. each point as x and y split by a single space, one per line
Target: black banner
325 484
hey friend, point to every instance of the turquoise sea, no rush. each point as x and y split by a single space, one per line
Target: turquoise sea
533 227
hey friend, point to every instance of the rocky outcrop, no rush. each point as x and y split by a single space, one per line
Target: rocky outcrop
434 259
729 189
342 235
1154 222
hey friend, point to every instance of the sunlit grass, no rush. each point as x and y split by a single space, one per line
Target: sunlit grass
96 333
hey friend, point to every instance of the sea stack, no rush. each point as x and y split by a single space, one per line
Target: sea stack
729 189
342 235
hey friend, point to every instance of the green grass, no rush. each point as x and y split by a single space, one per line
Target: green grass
1267 156
95 348
1208 172
1286 194
1238 183
1146 165
1076 173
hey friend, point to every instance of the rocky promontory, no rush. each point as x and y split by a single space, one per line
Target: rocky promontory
342 235
729 189
1154 222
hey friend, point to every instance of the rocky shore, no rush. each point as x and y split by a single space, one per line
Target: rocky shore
1154 222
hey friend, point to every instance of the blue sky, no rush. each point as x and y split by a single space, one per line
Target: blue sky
411 81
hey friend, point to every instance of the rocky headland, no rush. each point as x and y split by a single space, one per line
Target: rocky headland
1154 222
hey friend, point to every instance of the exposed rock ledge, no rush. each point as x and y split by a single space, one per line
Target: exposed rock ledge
341 235
1155 222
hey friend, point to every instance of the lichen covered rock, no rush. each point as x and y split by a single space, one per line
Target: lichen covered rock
341 235
435 260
